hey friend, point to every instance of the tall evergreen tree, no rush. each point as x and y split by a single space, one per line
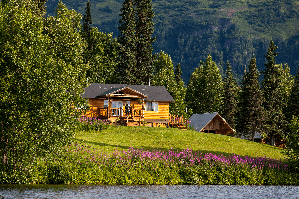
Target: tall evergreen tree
127 39
101 51
230 97
144 39
205 88
293 103
87 21
250 117
86 28
276 93
136 40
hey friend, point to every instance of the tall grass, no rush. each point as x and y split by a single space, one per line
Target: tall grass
156 138
145 155
79 164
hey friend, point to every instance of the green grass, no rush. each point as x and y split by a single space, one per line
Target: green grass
149 138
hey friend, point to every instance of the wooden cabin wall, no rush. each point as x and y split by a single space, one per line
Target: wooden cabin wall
213 125
163 112
96 103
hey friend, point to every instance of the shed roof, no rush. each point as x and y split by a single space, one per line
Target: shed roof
199 121
153 93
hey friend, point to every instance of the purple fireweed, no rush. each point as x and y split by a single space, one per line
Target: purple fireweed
151 159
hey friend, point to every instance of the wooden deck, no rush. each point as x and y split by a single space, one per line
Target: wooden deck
136 117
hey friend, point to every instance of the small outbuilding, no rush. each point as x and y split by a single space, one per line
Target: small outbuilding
210 123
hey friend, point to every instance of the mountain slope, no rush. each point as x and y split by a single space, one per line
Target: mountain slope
189 30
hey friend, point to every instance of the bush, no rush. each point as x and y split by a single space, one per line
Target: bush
92 124
292 143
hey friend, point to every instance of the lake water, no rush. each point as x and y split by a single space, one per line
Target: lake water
151 191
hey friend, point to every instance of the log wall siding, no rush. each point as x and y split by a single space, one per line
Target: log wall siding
218 126
163 112
163 108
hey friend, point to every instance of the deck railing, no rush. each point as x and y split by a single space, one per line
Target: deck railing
103 112
178 121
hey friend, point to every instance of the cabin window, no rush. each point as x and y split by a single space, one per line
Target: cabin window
151 106
105 103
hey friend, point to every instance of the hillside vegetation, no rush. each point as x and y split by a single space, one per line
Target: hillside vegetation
146 138
189 30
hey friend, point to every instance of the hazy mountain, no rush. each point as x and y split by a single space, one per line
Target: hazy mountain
229 30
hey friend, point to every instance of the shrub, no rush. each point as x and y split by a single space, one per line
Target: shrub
292 143
92 124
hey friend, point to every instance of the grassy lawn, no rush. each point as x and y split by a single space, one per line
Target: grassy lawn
149 138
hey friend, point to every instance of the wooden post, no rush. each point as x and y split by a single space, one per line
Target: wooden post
108 115
186 124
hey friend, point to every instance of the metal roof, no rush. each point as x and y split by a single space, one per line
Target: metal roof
199 121
153 93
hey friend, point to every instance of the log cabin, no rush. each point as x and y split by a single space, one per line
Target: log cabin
210 123
131 105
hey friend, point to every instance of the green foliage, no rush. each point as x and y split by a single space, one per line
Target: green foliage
205 88
230 97
135 52
164 75
87 21
163 71
293 105
127 40
276 86
102 58
81 164
101 52
91 124
250 117
42 77
179 95
292 142
228 30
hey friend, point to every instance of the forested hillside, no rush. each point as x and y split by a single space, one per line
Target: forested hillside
189 30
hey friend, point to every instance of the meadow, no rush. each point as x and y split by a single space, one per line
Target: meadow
117 155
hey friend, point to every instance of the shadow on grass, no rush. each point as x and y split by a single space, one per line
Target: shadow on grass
147 148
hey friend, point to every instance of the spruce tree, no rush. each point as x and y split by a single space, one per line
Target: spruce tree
136 29
101 51
86 28
276 94
144 39
205 88
250 117
126 70
230 97
293 103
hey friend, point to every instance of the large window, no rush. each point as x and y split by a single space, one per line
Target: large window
151 106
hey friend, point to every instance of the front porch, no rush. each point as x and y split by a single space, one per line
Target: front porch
134 116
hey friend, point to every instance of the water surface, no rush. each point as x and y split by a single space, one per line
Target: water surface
148 191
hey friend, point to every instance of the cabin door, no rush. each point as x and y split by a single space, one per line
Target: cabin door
117 108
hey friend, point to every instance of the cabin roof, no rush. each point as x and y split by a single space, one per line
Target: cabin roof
200 121
150 93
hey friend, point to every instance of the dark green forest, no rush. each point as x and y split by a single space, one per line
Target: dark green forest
189 30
